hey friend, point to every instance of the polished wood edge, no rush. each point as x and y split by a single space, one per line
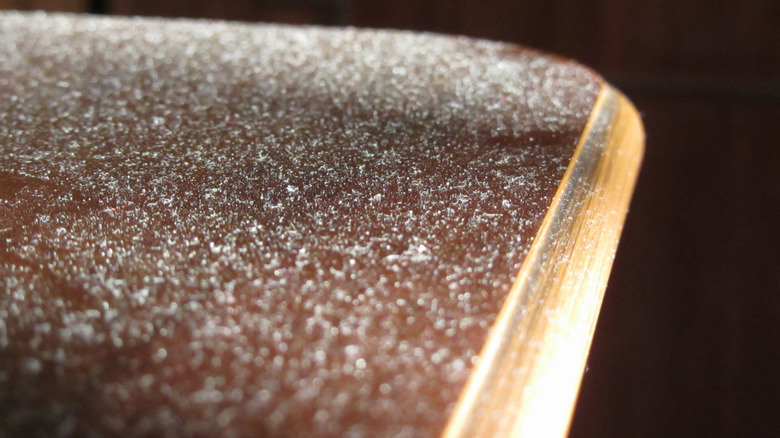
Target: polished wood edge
530 368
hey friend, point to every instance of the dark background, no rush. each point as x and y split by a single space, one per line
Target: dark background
688 342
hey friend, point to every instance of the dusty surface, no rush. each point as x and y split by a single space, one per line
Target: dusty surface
213 229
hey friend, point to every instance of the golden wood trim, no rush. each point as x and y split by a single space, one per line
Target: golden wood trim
530 368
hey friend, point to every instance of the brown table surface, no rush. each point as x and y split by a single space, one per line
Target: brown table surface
219 229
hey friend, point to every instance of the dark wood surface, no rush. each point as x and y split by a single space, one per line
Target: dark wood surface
687 340
325 241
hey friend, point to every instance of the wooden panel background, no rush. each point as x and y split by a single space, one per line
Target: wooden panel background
688 343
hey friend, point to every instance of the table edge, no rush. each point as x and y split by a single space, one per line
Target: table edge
531 365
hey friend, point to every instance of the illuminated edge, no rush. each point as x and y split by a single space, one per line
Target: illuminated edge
530 368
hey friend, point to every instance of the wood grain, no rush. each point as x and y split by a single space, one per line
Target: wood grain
46 5
530 368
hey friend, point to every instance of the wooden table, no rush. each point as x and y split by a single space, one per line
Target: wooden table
222 229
